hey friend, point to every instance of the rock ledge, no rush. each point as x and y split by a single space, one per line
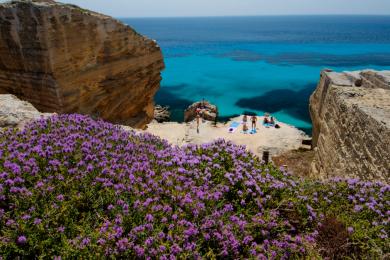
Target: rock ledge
351 125
16 113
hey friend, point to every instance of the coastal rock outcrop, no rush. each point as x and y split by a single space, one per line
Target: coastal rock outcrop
16 113
66 59
207 110
351 125
161 114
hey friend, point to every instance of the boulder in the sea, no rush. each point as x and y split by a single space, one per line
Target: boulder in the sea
66 59
206 110
16 113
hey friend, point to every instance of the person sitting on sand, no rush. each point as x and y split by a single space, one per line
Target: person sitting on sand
254 120
272 122
244 127
266 121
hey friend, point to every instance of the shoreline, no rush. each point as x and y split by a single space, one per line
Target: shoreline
227 119
274 140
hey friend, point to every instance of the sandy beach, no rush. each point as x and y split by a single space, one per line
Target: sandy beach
276 141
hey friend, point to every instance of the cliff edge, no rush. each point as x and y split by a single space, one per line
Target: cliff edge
351 125
66 59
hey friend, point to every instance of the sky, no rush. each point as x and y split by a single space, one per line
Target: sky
169 8
175 8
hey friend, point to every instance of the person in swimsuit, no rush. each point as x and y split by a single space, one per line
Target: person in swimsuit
197 122
272 122
245 119
197 111
254 120
244 127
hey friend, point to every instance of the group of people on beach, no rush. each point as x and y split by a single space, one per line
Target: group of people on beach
267 122
245 120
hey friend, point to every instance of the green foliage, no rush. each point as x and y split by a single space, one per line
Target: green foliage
74 187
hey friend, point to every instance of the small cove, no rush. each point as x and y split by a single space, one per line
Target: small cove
261 64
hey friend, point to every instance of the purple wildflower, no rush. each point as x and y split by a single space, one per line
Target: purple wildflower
22 240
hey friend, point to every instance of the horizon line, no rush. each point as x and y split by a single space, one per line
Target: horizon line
259 15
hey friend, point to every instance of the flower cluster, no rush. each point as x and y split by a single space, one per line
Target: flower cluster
71 186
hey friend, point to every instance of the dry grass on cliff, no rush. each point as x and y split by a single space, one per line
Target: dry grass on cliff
297 161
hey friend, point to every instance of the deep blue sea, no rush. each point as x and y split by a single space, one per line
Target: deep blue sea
261 64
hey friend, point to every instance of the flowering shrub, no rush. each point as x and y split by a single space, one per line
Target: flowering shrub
74 187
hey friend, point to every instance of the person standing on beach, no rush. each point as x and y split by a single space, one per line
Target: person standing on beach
254 121
197 122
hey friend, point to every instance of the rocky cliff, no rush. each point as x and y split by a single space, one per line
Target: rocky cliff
351 125
66 59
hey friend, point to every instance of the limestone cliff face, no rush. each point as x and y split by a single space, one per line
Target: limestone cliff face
351 125
65 59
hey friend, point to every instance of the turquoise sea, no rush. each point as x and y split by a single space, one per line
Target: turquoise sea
261 64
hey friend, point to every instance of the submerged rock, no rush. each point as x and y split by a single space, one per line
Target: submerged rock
66 59
206 110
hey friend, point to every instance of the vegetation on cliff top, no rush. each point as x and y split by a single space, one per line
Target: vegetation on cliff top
71 186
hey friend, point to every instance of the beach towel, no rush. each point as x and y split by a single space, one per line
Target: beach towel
233 127
268 125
